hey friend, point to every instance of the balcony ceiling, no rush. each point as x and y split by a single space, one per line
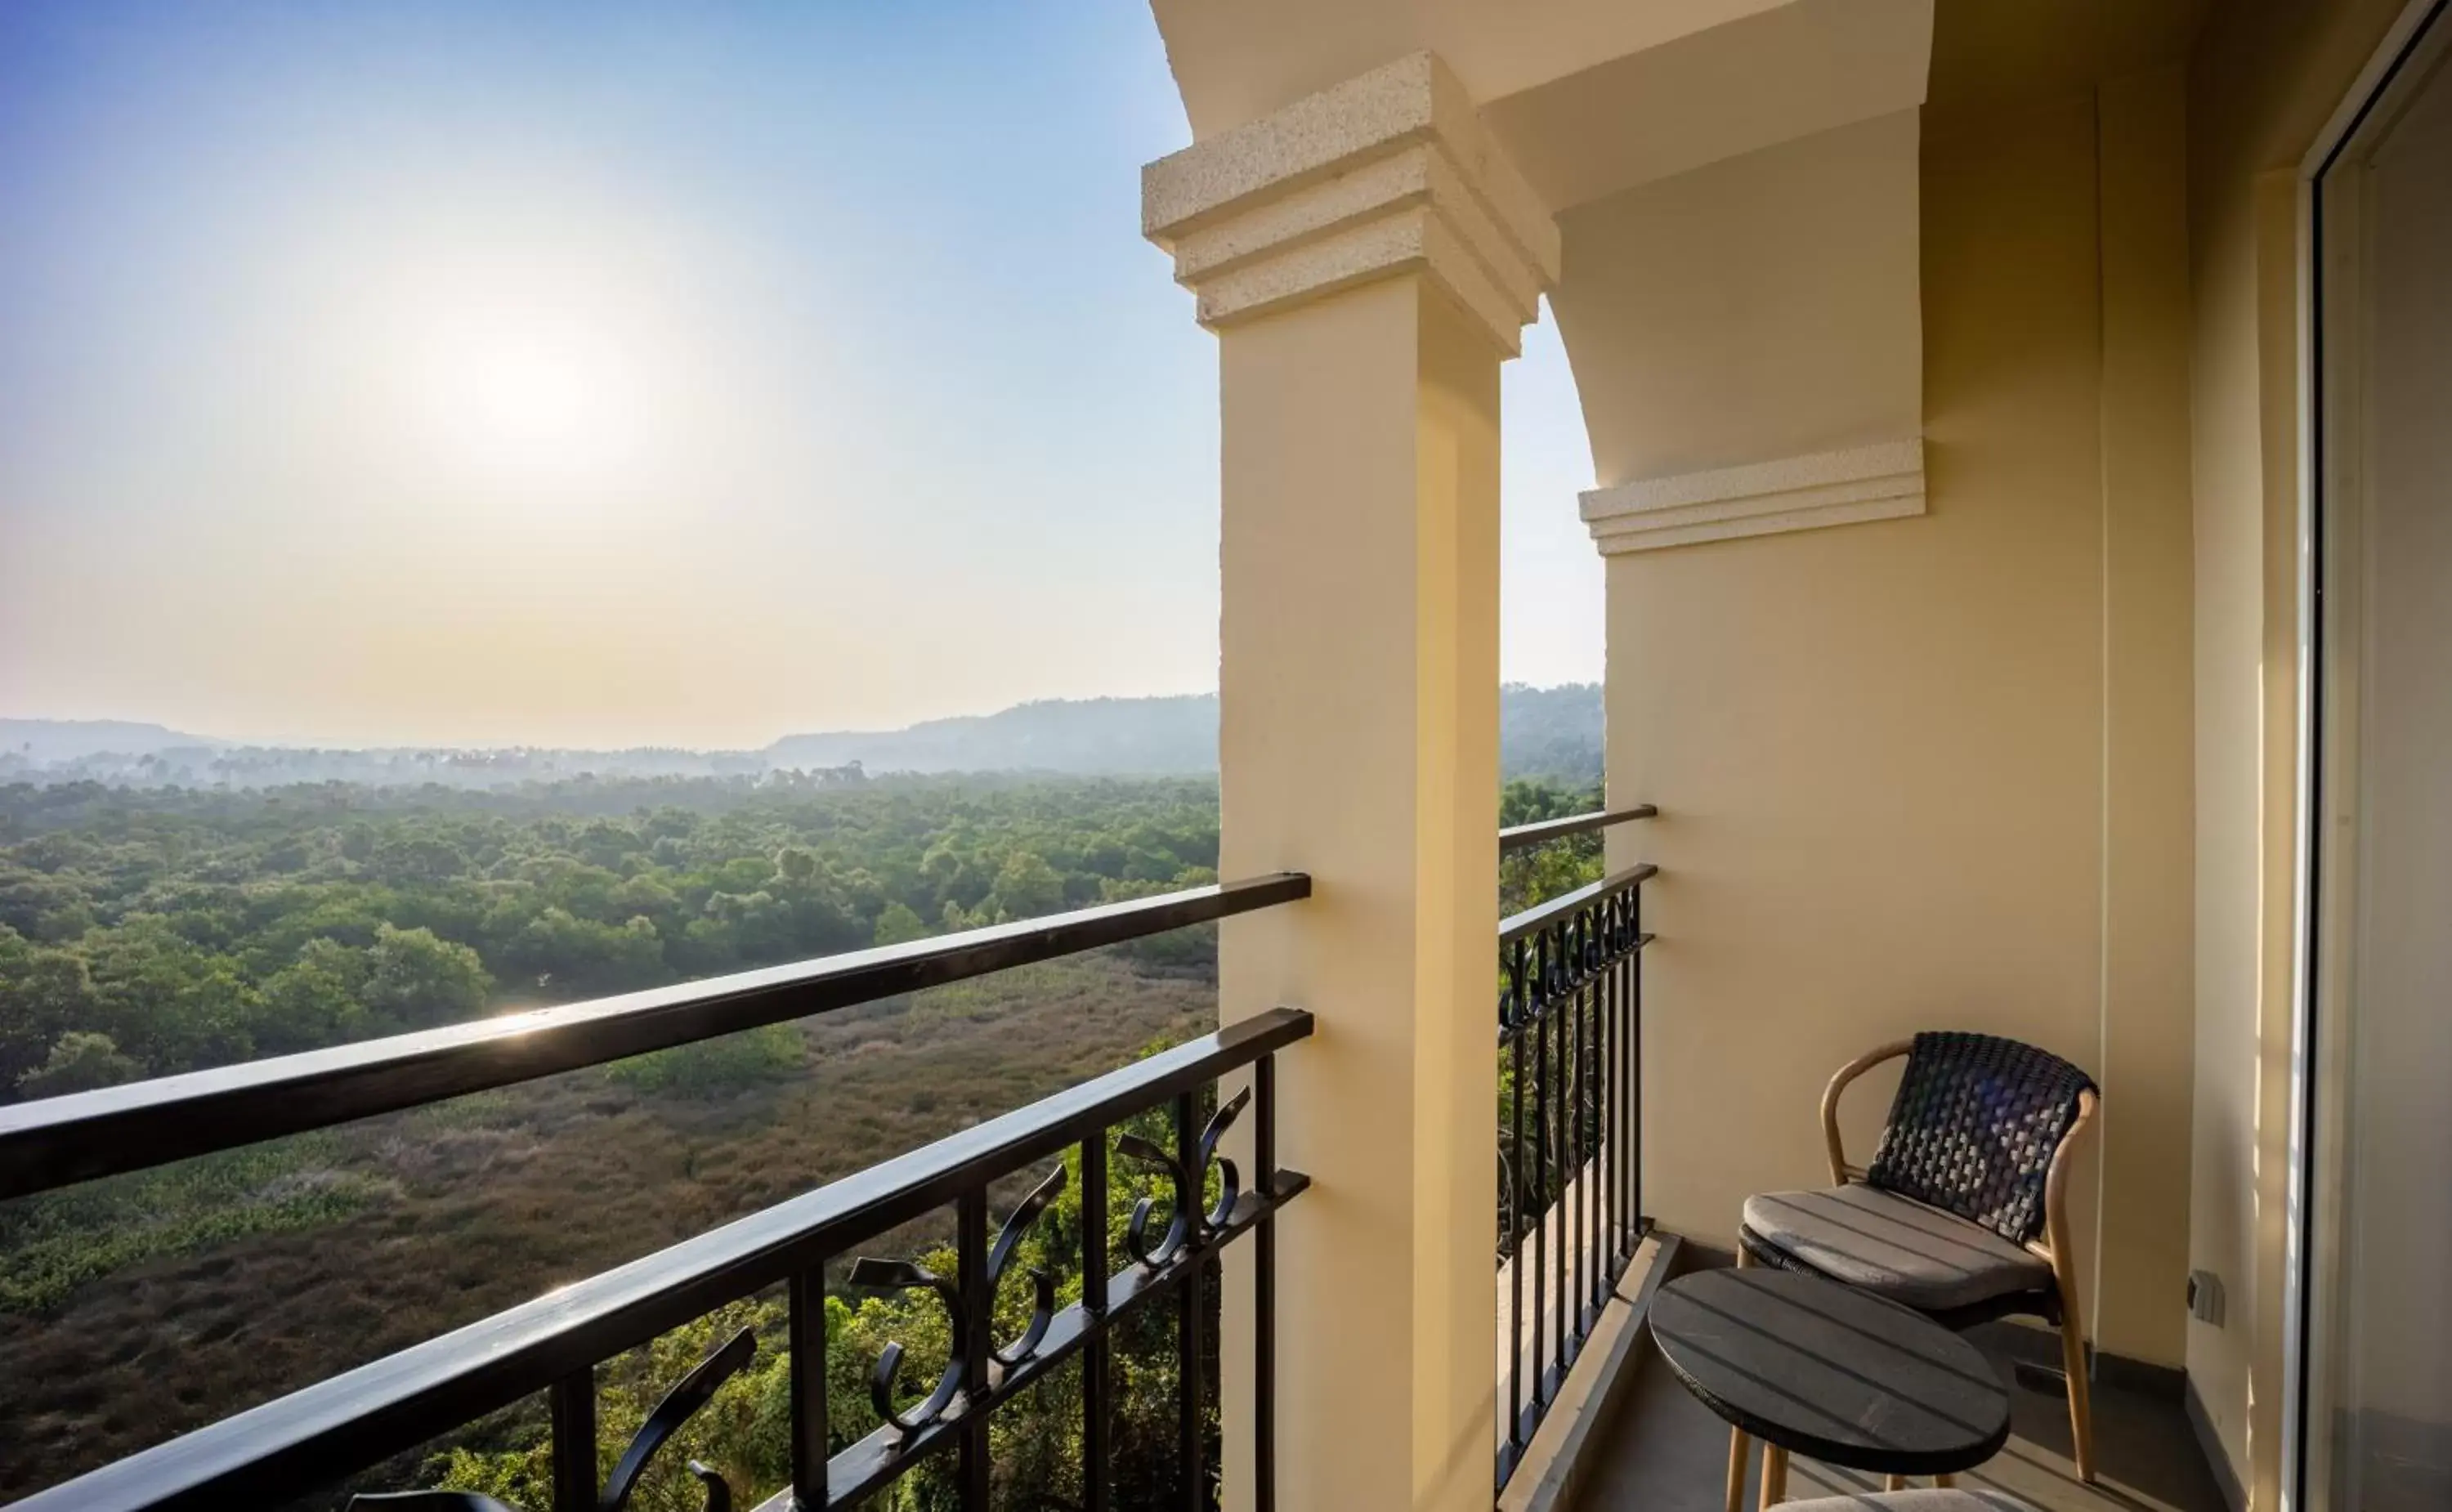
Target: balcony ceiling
1236 63
1988 55
1587 98
1593 96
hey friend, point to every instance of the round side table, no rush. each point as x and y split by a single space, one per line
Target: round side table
1813 1367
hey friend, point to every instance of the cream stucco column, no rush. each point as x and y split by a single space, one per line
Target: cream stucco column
1366 259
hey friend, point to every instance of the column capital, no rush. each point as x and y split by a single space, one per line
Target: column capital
1389 172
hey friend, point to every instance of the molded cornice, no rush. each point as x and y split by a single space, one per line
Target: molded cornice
1881 481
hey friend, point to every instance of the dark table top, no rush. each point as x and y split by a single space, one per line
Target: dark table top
1826 1370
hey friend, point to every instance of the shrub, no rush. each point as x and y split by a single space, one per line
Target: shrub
714 1067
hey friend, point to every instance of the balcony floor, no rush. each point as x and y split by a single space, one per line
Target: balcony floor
1665 1452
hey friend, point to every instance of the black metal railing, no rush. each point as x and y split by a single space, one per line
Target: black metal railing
1517 837
58 1140
1570 1121
314 1438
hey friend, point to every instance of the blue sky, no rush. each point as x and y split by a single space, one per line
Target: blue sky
610 374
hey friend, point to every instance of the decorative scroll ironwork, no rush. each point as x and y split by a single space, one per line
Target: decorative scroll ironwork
693 1391
293 1446
895 1275
1189 1223
1008 1240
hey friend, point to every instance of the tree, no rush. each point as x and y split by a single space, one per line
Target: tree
417 858
898 923
318 1000
164 1000
80 1062
795 866
1026 886
415 980
43 993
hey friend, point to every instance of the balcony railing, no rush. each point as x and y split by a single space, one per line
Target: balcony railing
313 1438
1568 1220
1517 837
1569 1125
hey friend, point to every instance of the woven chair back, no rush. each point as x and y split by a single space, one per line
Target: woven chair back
1974 1128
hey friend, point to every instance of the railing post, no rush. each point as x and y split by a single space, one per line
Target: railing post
1191 1314
572 1406
807 1306
971 1247
1096 1402
1264 1292
1632 1133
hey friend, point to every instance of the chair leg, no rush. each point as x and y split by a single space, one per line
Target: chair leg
1737 1441
1945 1481
1774 1476
1894 1483
2081 1394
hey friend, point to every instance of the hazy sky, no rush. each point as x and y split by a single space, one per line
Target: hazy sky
603 374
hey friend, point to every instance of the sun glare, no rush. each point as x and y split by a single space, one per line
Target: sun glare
522 395
529 400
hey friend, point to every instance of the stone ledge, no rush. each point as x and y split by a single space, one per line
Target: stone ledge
1880 481
1559 1459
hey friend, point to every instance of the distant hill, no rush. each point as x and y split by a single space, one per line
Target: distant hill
1542 732
1141 735
47 741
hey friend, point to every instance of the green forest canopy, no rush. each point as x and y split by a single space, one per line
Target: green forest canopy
144 932
150 931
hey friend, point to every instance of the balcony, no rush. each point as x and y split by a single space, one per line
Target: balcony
1947 369
1585 1415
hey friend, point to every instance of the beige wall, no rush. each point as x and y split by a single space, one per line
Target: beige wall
2262 80
1764 306
2148 866
1904 773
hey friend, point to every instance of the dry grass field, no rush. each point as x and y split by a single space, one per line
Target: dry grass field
222 1287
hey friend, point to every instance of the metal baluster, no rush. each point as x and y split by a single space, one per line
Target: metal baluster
807 1307
1264 1291
1588 1127
1188 1298
1515 1207
1095 1407
1540 1158
1614 1126
1604 1148
1622 1108
1634 1049
971 1250
1620 1032
573 1407
1558 1200
1576 1032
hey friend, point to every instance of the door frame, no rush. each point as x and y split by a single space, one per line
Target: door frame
2332 514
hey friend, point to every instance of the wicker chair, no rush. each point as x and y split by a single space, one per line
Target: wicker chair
1963 1214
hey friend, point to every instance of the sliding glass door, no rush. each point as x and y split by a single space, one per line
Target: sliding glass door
2376 1427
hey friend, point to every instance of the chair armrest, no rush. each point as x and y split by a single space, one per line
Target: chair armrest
1842 1172
2056 1235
